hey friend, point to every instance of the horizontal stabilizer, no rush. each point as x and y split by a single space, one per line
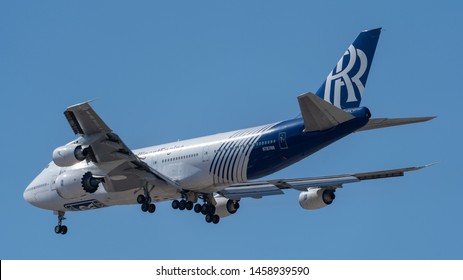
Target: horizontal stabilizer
320 115
385 122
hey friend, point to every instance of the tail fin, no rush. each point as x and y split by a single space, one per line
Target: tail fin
344 85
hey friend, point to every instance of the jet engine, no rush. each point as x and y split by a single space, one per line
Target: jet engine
73 184
225 207
70 154
316 198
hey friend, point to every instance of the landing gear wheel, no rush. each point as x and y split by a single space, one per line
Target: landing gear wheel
64 230
205 209
151 208
209 218
189 205
182 205
175 204
141 199
197 208
211 209
144 207
215 219
60 228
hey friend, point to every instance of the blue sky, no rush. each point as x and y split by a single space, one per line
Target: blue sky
167 70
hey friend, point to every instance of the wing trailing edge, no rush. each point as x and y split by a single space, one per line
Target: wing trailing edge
259 189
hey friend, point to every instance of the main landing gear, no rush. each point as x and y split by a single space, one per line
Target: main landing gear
60 228
207 208
145 201
146 205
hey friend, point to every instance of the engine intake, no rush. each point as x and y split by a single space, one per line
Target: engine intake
69 155
73 184
90 183
316 198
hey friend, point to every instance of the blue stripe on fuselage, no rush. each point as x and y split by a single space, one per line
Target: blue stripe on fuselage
271 154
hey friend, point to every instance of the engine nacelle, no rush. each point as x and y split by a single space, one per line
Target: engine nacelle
69 185
74 184
316 198
225 207
69 155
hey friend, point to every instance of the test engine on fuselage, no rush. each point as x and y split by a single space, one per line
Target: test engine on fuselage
73 184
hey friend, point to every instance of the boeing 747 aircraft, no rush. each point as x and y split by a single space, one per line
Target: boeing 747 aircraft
211 174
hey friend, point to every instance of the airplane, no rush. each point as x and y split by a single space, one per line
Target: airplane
212 174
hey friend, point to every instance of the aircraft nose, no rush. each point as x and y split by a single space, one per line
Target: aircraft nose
28 195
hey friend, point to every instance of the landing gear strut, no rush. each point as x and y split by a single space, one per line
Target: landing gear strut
61 228
145 201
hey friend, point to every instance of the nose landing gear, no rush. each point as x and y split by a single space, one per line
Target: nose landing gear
60 228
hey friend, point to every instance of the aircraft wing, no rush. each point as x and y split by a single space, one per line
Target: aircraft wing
260 189
116 161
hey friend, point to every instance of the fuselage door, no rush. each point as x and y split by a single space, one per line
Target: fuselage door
282 140
206 153
53 183
154 162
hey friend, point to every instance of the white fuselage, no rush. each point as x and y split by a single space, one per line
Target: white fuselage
188 163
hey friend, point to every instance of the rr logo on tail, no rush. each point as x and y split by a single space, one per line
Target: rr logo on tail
344 85
341 81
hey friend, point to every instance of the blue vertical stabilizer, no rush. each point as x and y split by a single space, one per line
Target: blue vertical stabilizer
344 85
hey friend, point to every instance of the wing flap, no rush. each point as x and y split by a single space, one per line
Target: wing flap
320 182
258 190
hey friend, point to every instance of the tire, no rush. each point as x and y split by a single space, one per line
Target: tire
189 205
182 205
208 218
58 229
175 204
204 209
215 219
151 208
64 230
197 208
211 209
144 207
141 199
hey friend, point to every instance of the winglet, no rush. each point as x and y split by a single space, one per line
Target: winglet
320 115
